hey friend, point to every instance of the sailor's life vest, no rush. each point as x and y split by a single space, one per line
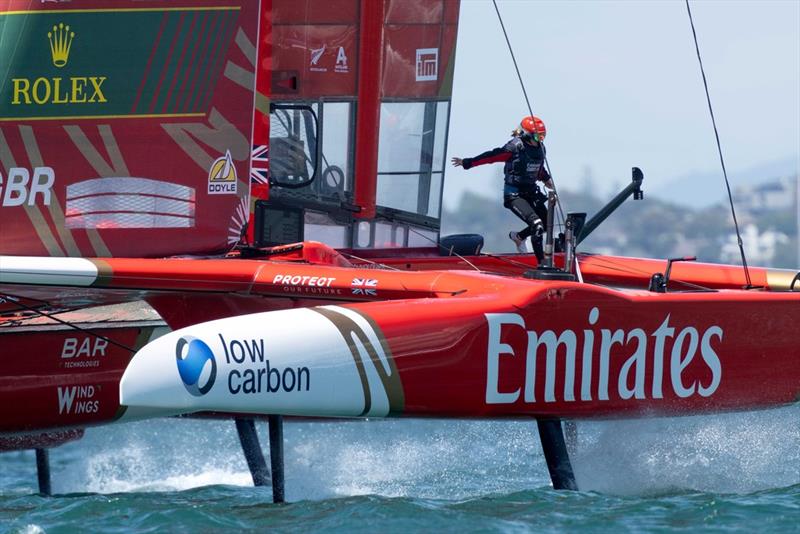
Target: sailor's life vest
526 163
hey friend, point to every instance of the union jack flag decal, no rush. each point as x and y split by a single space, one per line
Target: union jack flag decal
364 286
259 164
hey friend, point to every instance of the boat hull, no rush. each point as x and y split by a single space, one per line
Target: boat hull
529 349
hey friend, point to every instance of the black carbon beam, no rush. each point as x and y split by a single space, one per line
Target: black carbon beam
634 188
43 471
555 452
246 428
276 457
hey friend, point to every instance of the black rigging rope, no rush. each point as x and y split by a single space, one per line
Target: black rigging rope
18 301
719 149
449 250
528 102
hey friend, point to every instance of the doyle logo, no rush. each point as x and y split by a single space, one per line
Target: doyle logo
222 176
60 43
197 366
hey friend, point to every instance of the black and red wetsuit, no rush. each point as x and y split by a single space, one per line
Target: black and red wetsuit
524 167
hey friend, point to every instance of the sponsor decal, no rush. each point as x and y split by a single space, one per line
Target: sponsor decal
128 202
19 188
257 363
253 372
364 286
259 164
316 55
242 365
60 42
222 176
427 64
646 356
196 364
58 89
74 90
83 353
341 62
76 400
248 369
91 63
318 285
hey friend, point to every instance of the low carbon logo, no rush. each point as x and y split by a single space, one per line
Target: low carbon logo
196 365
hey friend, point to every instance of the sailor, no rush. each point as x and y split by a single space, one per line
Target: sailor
524 167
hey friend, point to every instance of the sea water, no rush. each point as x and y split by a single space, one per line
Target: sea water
721 473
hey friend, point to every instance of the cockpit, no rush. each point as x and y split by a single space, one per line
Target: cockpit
359 103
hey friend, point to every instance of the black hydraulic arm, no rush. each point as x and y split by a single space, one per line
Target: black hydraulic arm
635 188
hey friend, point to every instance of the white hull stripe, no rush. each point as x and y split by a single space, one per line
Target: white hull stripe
47 271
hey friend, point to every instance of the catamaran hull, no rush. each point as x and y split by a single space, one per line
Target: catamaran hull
564 350
56 377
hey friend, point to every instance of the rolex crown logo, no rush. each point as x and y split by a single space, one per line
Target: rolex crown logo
60 43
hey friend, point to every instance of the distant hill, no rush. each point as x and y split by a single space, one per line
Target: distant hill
708 188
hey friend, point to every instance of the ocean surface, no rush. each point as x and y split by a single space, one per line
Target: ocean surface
733 472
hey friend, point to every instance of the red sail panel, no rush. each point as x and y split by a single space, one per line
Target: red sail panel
314 49
310 61
419 49
143 157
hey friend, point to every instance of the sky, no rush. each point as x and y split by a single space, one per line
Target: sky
618 85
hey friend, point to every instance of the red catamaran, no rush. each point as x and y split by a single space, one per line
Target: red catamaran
268 179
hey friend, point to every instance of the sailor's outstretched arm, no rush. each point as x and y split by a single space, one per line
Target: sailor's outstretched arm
490 156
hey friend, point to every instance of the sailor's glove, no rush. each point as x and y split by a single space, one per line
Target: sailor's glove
538 228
